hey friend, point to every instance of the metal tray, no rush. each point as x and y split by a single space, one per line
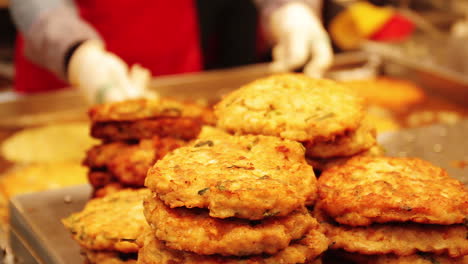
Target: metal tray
436 79
36 233
443 145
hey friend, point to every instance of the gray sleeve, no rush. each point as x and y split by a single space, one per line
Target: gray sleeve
50 28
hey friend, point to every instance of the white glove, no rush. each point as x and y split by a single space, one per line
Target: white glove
300 40
104 77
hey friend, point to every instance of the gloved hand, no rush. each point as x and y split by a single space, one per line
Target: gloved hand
104 77
300 39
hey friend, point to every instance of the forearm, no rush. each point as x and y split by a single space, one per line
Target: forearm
50 28
267 6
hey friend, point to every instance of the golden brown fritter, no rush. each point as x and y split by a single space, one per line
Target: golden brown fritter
100 178
305 250
250 177
109 257
418 258
128 163
291 106
111 223
324 164
107 189
98 156
209 132
182 127
348 144
125 163
194 230
365 190
396 238
145 118
390 93
140 109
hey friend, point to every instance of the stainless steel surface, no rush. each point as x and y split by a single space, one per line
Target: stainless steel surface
18 111
36 230
208 85
443 145
436 78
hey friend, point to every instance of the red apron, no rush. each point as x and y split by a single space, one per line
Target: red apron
158 34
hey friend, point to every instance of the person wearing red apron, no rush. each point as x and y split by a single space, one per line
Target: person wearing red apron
90 43
161 36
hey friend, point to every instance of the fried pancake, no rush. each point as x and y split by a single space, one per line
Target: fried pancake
390 93
324 164
109 257
140 109
144 118
100 178
250 177
397 238
351 143
306 250
365 190
182 127
291 106
418 258
194 230
99 155
209 132
128 163
110 223
383 119
107 189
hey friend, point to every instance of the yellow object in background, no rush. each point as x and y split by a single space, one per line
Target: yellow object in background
42 177
393 94
359 21
45 157
39 177
50 143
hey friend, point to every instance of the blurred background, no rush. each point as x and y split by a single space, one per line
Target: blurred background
7 38
435 18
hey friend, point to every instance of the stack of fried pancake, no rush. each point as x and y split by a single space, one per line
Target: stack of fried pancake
251 197
232 199
393 210
134 135
325 116
108 227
